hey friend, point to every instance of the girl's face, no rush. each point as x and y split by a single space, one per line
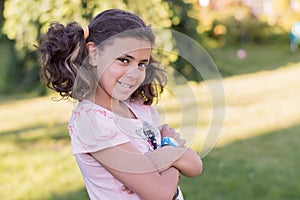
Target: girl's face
121 67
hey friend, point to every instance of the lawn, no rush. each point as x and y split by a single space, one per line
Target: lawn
258 58
264 167
256 156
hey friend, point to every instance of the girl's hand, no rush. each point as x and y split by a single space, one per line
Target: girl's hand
125 189
166 131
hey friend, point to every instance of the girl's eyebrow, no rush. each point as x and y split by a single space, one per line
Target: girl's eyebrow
132 58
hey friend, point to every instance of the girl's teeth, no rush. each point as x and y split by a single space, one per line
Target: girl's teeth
125 85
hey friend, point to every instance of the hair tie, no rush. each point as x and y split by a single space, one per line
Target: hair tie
86 32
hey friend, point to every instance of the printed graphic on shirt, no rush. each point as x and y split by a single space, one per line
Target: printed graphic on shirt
149 134
176 194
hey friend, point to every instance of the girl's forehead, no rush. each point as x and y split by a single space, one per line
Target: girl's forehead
128 45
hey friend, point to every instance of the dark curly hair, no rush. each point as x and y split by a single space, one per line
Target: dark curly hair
64 57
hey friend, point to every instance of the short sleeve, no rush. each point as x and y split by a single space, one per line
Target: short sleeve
93 129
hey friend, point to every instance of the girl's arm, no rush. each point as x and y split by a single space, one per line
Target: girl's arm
184 159
138 173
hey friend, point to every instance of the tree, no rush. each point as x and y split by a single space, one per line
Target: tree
26 21
184 20
1 16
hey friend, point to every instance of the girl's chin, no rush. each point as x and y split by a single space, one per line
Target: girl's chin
121 97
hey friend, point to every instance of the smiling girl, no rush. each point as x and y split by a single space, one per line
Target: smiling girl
114 130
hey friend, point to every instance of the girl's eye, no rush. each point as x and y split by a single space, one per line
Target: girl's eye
123 60
142 65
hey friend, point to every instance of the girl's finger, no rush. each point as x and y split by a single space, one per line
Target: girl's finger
182 142
172 130
129 191
165 126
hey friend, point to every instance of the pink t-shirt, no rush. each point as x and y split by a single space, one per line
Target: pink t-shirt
93 128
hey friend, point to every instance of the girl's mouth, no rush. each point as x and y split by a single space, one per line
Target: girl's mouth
125 85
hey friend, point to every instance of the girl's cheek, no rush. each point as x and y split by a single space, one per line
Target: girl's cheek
143 76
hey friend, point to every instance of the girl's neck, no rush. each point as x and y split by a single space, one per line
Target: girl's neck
115 106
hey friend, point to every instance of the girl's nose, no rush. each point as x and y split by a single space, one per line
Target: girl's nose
133 71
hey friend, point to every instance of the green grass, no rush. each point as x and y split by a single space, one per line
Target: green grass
256 156
259 58
262 167
36 160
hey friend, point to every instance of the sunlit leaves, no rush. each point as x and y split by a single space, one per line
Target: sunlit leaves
26 20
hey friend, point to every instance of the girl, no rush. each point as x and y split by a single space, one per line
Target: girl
109 69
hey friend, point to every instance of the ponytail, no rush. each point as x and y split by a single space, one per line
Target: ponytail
62 51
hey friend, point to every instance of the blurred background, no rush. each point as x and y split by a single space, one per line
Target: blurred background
254 44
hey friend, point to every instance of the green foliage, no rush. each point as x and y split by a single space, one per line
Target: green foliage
183 16
234 24
25 22
1 18
237 23
249 30
154 13
4 62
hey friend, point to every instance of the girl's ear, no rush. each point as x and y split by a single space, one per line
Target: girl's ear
92 53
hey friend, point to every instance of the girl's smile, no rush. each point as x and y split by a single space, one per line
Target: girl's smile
125 85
